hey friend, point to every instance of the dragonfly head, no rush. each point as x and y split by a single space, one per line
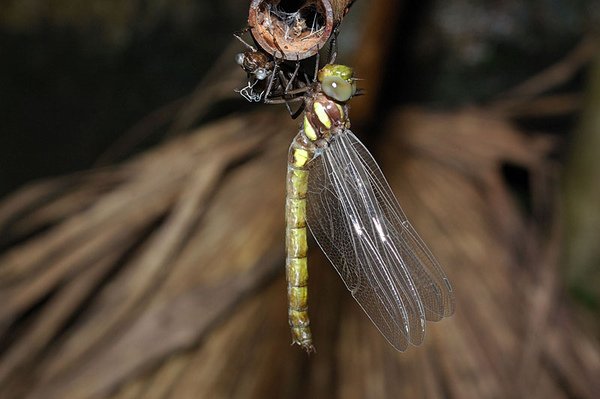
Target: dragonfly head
337 81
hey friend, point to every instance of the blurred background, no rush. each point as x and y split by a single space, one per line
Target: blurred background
141 202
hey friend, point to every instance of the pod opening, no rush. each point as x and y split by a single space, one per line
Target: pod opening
291 29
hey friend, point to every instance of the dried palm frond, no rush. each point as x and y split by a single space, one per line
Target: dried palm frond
164 276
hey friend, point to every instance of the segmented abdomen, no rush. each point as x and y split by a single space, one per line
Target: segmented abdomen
296 245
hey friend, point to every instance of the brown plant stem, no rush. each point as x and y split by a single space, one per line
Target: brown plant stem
294 32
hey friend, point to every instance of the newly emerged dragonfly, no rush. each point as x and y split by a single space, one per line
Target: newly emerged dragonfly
336 188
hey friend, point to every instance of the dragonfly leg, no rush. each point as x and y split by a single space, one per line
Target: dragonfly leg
317 59
282 101
271 80
284 81
287 102
333 45
288 86
299 110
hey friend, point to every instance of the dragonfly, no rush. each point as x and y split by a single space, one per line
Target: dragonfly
335 187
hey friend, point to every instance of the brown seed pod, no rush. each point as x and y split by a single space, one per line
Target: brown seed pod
295 30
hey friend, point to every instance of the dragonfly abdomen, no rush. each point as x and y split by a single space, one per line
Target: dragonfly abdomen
296 244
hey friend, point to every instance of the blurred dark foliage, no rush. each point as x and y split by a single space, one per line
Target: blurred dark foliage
75 75
469 51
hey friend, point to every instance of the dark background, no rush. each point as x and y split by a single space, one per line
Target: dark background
75 77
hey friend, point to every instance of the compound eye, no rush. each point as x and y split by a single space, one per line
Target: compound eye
261 73
337 88
239 59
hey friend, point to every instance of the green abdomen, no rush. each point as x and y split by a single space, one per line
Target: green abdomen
297 247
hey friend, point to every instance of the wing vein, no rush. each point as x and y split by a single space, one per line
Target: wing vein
358 223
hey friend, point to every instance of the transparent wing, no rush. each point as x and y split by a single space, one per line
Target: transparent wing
356 219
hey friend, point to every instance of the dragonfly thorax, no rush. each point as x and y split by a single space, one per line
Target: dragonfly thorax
323 117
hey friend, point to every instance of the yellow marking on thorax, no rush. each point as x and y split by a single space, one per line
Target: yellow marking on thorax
322 115
341 109
309 131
